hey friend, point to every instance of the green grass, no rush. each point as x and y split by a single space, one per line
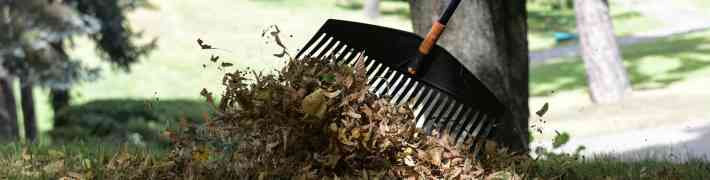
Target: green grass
649 65
175 69
543 21
609 168
93 156
42 161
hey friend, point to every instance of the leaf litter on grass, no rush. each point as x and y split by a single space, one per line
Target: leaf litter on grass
297 124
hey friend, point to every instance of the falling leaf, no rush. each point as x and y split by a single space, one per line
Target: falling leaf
203 45
226 64
214 58
542 110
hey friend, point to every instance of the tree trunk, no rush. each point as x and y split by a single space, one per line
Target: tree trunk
59 98
28 109
8 111
490 38
372 8
606 75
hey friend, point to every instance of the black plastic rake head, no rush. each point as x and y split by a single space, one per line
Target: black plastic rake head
445 94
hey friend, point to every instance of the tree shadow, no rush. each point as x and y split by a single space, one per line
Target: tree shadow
545 21
678 56
393 8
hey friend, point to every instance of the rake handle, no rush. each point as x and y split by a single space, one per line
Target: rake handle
433 36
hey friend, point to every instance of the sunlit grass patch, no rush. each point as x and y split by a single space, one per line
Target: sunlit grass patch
650 65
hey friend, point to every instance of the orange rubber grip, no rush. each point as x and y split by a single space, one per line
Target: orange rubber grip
436 29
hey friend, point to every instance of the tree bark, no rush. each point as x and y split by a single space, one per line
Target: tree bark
490 38
372 8
28 109
606 75
8 111
59 98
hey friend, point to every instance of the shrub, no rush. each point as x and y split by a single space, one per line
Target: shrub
124 119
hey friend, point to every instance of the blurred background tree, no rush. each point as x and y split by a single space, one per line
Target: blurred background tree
607 79
35 34
372 8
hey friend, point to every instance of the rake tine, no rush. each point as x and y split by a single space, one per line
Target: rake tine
459 126
481 123
385 85
458 112
381 79
393 87
338 51
421 117
444 114
377 74
398 91
436 113
470 122
328 48
309 43
351 55
410 89
318 46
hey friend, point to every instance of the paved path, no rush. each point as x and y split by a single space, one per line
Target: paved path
678 20
677 143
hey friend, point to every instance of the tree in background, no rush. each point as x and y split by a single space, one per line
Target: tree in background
606 75
490 37
8 111
33 35
372 8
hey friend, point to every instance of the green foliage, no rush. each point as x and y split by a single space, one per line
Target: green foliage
116 39
136 121
554 4
34 33
560 139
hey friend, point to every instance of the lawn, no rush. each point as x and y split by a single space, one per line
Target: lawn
650 65
175 69
95 159
543 21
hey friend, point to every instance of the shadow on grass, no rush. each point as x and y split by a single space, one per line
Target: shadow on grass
400 10
544 21
570 74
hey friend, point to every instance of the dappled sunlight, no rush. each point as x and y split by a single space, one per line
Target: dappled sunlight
650 65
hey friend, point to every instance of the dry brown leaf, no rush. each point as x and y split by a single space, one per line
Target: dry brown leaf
315 104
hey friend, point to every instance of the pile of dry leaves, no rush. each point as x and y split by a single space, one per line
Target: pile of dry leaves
312 120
